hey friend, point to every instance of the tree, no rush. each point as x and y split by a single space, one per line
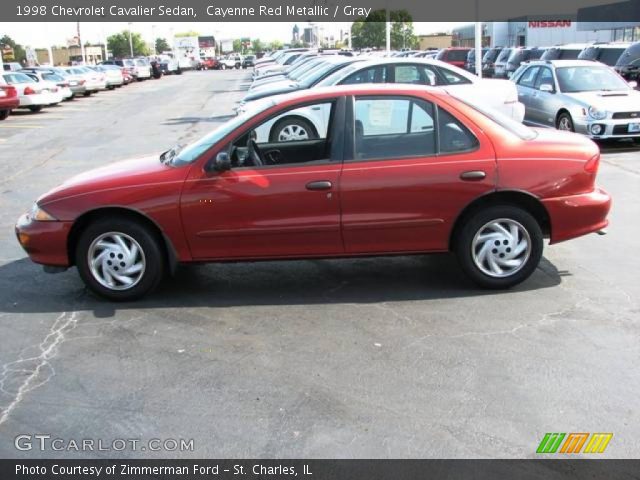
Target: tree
275 45
257 46
370 32
119 44
237 45
190 33
19 53
162 45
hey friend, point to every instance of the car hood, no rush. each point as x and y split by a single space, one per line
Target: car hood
275 88
619 101
136 172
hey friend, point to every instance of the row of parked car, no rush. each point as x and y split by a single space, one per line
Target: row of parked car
584 96
35 88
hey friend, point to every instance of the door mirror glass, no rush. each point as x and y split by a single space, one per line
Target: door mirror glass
222 162
546 87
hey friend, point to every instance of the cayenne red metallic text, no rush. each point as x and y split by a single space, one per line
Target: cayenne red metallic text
390 169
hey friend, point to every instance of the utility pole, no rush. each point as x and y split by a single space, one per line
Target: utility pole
130 40
84 57
388 30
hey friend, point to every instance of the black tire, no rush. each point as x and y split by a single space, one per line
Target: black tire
35 108
474 223
4 114
565 119
179 71
149 244
292 121
87 94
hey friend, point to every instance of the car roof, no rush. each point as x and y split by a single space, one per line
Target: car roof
360 89
566 63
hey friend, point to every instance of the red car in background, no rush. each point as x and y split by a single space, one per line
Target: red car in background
455 56
209 63
8 100
394 169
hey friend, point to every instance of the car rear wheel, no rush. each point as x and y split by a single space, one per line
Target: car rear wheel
565 122
4 114
35 108
499 246
119 259
292 129
87 94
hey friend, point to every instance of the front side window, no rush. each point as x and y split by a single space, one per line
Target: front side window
545 78
529 77
296 136
393 128
367 75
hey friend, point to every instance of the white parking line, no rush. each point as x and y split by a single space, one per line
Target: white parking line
21 125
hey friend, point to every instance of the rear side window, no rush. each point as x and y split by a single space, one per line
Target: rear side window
454 136
453 78
388 127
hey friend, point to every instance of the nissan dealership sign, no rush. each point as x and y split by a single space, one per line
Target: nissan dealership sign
550 24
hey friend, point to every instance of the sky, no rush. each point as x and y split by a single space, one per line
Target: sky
37 35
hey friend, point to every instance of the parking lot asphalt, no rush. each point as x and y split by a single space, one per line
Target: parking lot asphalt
369 358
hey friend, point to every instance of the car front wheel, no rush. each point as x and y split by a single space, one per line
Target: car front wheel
565 122
499 246
119 259
35 108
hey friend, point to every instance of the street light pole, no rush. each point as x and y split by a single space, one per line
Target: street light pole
130 40
478 41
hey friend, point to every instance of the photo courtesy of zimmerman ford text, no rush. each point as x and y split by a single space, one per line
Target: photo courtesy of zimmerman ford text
323 239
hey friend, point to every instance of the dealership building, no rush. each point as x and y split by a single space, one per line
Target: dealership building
535 32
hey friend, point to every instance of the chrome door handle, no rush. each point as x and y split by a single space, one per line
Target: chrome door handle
473 175
319 185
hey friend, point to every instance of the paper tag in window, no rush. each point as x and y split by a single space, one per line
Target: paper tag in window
380 113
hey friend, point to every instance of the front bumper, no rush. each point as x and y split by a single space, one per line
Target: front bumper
577 215
610 128
44 242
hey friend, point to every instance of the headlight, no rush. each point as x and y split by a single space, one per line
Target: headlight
596 113
39 215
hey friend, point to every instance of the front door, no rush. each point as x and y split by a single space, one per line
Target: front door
279 199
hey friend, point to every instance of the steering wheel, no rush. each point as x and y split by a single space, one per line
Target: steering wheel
254 153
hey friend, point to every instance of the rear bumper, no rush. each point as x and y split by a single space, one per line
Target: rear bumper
578 215
44 242
9 103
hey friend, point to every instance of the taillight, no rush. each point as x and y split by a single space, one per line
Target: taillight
11 91
592 165
54 89
29 91
82 82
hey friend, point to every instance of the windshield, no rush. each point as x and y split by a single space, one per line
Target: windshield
506 122
335 77
191 152
298 72
589 79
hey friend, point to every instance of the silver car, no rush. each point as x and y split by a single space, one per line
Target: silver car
579 96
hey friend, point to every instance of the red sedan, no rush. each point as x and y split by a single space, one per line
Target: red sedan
388 169
8 100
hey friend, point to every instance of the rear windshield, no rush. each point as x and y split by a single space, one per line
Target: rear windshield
491 55
610 56
457 55
630 54
504 54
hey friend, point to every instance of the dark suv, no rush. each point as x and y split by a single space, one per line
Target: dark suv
607 53
470 66
521 55
628 65
489 60
249 61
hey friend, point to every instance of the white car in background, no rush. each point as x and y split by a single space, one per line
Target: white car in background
93 81
33 95
51 78
307 123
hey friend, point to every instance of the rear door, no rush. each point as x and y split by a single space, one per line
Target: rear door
526 88
410 169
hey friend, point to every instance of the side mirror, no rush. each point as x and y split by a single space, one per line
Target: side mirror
222 162
633 84
546 87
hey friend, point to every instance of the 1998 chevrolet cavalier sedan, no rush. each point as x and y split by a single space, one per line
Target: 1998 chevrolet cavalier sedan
395 169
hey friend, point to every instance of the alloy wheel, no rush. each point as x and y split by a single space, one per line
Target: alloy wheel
292 133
